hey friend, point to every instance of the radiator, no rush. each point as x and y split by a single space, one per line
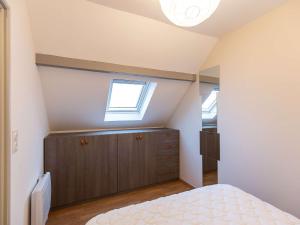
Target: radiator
41 201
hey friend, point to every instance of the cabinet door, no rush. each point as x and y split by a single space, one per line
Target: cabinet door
65 160
100 175
210 149
136 161
81 167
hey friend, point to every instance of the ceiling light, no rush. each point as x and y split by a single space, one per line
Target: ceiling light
188 13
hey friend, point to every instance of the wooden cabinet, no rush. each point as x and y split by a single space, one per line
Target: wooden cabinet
65 161
81 167
167 163
210 149
147 158
90 165
136 161
101 166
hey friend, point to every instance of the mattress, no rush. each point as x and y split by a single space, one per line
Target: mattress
211 205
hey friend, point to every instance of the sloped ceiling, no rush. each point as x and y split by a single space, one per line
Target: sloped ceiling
76 100
230 15
81 29
85 30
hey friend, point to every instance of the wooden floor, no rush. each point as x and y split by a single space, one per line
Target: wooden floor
82 213
210 178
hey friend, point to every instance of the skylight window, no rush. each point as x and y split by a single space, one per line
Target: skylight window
127 96
209 106
128 100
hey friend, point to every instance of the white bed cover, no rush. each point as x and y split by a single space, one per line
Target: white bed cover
211 205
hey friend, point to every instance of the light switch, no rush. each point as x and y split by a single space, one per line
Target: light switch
15 141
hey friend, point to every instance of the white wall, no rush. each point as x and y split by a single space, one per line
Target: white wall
85 30
187 118
77 100
27 116
259 107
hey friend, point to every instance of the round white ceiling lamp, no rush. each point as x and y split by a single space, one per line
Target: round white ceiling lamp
188 13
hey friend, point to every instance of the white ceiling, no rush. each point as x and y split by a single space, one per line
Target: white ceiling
230 15
76 100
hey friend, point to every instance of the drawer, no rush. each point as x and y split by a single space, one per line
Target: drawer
169 164
168 152
167 159
169 137
169 145
167 177
168 170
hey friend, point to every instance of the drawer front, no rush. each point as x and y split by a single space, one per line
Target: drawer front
168 156
167 177
169 137
168 166
169 149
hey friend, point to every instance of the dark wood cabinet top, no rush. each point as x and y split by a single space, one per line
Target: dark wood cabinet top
109 132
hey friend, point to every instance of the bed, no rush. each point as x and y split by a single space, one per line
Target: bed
211 205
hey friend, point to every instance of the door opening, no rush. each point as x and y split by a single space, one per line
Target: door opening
209 136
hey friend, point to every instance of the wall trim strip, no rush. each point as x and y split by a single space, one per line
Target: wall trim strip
81 64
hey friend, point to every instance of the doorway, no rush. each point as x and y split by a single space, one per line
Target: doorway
209 136
3 120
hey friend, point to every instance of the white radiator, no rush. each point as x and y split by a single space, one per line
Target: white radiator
41 201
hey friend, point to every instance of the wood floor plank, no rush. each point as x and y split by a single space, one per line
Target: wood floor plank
81 213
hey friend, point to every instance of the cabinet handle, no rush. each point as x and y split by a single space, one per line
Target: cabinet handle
139 137
82 142
86 141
